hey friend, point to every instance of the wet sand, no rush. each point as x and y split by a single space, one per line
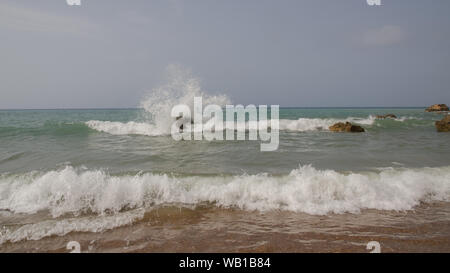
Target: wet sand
425 229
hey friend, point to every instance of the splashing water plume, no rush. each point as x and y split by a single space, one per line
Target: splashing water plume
181 88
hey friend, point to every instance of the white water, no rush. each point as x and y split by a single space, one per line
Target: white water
181 88
305 189
318 124
71 192
129 128
299 125
44 229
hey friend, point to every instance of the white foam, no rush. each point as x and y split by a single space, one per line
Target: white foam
319 124
129 128
48 228
307 124
306 189
403 118
71 192
299 125
181 88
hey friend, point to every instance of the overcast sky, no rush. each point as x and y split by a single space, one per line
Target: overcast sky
110 53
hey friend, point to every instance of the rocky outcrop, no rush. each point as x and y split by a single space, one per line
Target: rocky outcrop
437 108
443 125
386 116
346 127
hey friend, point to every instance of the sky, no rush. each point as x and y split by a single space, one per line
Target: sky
307 53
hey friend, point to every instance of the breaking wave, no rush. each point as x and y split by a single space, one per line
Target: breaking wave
306 189
48 228
297 125
129 128
181 88
318 124
118 200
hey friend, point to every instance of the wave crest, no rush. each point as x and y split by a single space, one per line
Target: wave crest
129 128
299 125
122 200
305 189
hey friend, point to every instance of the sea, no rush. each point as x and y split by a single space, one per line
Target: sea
115 180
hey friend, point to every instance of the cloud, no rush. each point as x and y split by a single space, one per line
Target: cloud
18 18
384 36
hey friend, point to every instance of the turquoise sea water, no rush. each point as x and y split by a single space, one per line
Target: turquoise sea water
65 171
47 139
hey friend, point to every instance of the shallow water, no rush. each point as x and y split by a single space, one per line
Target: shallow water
97 175
171 229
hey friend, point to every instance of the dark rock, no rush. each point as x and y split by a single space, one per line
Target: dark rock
437 108
346 127
443 125
386 116
181 126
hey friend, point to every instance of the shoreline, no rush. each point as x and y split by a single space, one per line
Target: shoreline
424 229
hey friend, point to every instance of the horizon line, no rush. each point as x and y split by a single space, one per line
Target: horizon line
281 107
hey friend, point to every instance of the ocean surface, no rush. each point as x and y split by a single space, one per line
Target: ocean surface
115 180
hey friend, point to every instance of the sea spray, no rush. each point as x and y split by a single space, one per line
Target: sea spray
181 88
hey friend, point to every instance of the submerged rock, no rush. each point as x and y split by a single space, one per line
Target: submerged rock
437 108
346 127
443 125
386 116
182 125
